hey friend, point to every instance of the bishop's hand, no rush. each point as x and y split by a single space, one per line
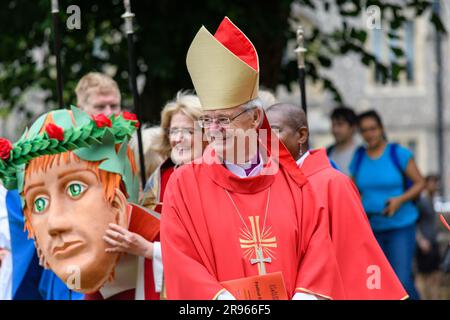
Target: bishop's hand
123 241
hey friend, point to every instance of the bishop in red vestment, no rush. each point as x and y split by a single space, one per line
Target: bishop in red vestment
217 225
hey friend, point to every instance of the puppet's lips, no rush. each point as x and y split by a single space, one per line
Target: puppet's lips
67 248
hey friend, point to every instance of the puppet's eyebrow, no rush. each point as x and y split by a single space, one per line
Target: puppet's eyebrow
62 175
35 185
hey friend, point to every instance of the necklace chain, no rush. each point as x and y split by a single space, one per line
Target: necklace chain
242 219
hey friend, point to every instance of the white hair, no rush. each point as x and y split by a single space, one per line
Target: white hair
255 104
268 98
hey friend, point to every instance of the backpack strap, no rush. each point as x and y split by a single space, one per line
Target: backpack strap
330 150
393 153
333 164
359 156
394 156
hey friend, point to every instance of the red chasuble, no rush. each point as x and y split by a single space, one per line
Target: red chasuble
204 240
364 269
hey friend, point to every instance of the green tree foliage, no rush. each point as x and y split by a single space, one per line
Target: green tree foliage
164 30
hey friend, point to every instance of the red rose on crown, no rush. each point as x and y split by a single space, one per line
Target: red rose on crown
102 121
5 148
54 131
131 116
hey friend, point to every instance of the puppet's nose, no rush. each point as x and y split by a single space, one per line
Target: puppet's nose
57 222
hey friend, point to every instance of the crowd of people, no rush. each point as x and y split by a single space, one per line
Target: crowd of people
323 218
398 201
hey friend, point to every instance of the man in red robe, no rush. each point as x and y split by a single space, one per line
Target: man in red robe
363 266
245 209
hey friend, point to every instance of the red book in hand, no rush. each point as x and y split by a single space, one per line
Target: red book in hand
265 287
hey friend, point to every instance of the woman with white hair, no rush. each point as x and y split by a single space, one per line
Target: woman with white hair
179 126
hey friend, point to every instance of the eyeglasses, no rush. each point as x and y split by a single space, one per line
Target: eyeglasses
172 132
222 121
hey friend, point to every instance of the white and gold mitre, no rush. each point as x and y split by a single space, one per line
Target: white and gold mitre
224 68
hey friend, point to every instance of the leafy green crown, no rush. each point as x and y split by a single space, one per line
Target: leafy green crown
90 138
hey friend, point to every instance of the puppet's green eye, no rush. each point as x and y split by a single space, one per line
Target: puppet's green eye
75 189
40 204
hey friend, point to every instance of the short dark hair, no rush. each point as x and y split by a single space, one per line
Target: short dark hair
344 113
370 114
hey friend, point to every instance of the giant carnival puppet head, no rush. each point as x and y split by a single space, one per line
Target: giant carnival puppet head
76 175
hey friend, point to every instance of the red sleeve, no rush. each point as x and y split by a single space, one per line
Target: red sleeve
365 271
318 272
188 272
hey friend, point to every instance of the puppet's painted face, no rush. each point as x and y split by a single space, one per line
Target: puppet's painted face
69 214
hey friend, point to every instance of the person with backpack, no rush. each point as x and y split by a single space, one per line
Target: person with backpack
389 182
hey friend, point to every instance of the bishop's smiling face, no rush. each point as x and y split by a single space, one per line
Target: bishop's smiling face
69 214
232 132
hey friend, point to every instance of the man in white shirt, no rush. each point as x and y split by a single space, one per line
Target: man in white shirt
343 128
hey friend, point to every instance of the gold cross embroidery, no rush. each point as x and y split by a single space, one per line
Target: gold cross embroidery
257 244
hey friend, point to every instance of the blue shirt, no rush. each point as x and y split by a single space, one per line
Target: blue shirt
378 180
